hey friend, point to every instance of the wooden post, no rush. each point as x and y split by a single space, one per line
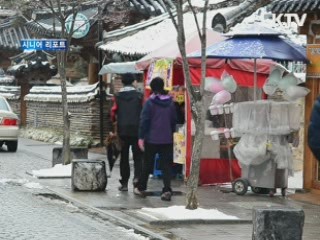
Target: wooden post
93 73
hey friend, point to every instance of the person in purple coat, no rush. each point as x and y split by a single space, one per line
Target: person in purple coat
157 125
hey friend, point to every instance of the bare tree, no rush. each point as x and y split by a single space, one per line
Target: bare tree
60 11
195 94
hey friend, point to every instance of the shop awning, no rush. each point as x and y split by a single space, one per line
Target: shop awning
119 68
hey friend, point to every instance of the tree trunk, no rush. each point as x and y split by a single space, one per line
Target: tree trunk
193 180
61 57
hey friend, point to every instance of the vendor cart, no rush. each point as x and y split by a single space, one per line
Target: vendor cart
263 179
264 151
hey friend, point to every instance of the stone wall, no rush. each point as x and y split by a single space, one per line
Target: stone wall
85 116
15 105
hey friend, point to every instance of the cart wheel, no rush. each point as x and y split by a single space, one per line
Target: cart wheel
240 186
283 192
272 192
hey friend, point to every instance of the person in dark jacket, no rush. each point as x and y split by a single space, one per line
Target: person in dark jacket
157 125
126 112
314 130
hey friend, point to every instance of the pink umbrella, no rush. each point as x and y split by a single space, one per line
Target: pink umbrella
170 50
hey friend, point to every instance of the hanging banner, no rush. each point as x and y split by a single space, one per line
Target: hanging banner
313 54
161 68
179 148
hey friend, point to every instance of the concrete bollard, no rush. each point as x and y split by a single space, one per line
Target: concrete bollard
88 175
277 223
76 153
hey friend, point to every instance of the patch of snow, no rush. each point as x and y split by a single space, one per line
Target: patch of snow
18 182
132 234
58 170
33 185
296 182
181 213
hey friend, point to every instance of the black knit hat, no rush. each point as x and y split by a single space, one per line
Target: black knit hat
157 85
127 79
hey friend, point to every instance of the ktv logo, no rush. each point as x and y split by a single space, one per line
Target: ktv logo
290 18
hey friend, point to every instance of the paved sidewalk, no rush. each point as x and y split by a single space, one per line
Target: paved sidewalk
126 207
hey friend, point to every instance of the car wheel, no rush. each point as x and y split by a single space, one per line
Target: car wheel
12 146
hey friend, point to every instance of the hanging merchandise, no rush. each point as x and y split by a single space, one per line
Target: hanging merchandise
251 149
214 85
272 81
228 82
221 97
287 81
293 93
266 117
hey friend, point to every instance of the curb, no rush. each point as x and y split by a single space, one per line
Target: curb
122 221
200 221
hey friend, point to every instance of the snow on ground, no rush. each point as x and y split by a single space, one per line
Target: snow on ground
13 181
58 170
181 213
296 182
33 185
21 182
131 233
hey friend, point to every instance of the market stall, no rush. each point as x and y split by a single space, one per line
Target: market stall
267 123
215 164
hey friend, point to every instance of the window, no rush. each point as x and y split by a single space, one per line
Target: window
4 105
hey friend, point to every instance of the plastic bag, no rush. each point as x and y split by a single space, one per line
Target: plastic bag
287 81
221 97
251 150
271 83
228 82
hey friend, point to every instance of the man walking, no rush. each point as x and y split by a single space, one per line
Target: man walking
157 125
126 112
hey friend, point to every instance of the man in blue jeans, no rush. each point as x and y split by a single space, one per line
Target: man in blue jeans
157 125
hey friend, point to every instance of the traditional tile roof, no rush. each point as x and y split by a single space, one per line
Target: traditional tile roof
295 6
151 7
47 25
10 92
12 30
53 93
146 40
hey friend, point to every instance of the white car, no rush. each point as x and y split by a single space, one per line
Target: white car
9 126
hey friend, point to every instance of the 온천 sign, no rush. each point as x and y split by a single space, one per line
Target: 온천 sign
290 18
44 44
81 25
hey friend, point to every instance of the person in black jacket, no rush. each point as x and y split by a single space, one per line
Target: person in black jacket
314 130
126 112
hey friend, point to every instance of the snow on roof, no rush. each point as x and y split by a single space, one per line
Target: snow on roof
200 3
151 38
53 93
10 92
264 18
